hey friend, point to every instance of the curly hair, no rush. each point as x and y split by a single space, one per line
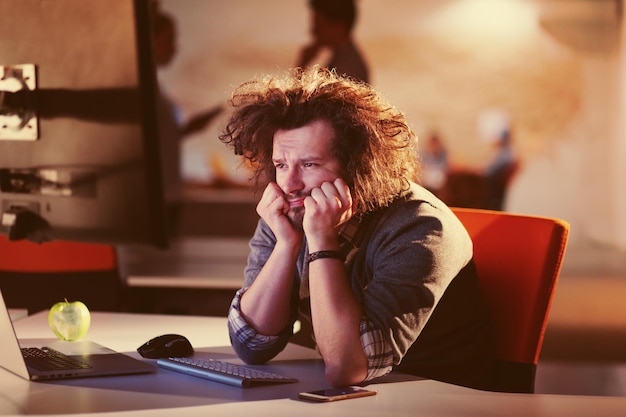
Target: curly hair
373 142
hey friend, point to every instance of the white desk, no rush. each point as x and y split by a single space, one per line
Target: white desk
169 394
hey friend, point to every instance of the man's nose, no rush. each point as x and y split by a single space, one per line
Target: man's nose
293 181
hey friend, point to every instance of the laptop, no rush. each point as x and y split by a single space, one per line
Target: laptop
95 360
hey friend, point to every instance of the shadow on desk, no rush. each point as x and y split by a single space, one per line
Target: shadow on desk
169 389
173 389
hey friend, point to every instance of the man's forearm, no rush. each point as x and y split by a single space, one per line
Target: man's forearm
336 321
266 305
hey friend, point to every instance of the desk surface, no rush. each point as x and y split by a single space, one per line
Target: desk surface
166 393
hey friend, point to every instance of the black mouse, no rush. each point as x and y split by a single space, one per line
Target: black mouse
166 346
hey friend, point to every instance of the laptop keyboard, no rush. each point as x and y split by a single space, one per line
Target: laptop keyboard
48 359
223 372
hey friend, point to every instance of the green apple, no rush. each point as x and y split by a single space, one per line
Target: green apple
69 320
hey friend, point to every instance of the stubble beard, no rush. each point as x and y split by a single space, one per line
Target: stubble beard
296 216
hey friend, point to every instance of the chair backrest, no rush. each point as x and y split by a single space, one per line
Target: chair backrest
34 276
518 259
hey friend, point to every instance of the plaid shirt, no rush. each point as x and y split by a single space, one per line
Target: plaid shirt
376 348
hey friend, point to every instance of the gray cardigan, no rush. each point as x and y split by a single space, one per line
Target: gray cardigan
413 274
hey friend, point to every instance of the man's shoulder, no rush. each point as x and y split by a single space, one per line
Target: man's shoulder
419 206
419 199
349 60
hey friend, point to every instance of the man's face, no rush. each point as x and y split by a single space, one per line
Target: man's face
303 161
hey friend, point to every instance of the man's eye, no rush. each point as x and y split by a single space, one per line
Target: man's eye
309 164
279 166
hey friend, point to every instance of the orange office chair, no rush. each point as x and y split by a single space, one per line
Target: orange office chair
35 276
518 259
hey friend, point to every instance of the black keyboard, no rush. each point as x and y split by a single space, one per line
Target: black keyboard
48 359
224 372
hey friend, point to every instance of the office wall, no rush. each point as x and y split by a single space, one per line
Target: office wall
551 65
578 180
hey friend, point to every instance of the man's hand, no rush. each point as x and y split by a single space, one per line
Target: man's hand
273 208
335 311
327 208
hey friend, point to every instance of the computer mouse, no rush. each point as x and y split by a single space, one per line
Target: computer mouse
166 346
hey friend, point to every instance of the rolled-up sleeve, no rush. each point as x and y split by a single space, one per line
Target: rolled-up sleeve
378 352
251 346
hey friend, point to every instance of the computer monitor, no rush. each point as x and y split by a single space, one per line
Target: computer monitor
79 155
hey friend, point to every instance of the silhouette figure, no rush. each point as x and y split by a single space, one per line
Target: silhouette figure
434 160
499 172
172 130
332 26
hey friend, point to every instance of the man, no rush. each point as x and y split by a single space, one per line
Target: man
499 172
381 267
172 130
170 133
332 25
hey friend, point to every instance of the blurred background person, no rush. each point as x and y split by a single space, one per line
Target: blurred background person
170 133
434 163
499 172
332 28
165 48
172 128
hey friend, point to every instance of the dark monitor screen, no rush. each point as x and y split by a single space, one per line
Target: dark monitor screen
79 156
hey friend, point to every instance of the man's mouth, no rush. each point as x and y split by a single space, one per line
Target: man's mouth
296 203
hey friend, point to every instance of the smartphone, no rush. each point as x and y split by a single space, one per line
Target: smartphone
336 394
